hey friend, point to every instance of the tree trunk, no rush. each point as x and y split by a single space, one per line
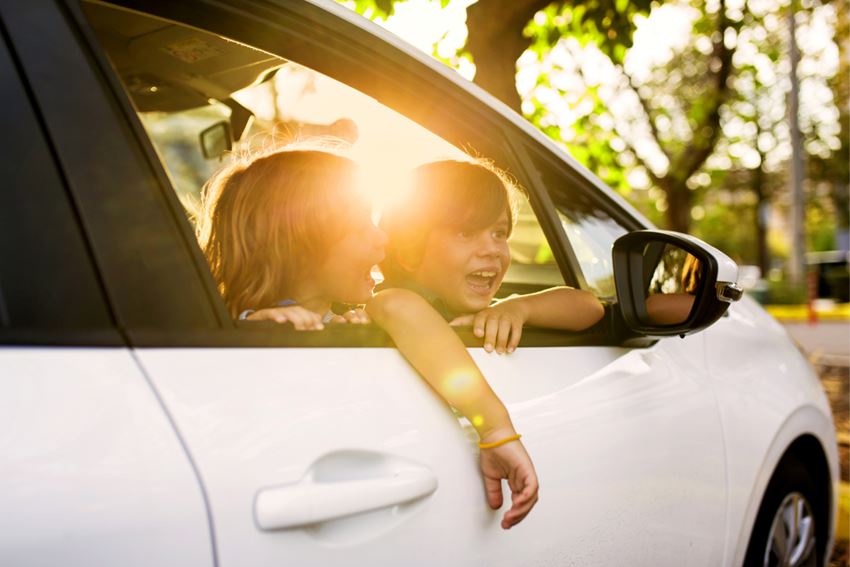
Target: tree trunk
496 42
757 185
678 206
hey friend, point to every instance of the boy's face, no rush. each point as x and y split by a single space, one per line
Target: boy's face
465 268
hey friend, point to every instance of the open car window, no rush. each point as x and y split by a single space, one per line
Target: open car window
203 99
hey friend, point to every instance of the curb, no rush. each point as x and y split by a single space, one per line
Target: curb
842 519
837 312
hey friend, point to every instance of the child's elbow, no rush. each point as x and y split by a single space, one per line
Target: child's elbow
590 309
596 310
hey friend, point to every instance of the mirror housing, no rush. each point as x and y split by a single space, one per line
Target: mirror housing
216 140
669 283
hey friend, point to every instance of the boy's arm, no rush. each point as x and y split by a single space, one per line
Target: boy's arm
437 353
555 308
558 308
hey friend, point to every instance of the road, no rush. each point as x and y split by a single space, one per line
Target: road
826 341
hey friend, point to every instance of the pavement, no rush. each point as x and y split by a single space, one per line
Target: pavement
824 334
826 341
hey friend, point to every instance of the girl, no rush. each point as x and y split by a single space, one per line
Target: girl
287 234
448 241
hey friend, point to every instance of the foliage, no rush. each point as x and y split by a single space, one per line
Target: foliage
699 140
380 9
607 24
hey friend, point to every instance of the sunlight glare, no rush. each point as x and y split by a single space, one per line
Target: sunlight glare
459 385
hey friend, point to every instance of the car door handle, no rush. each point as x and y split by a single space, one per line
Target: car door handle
310 501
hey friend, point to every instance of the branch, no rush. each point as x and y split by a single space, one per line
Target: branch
647 109
655 178
692 158
660 181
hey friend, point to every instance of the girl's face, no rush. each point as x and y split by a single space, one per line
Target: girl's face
345 275
466 268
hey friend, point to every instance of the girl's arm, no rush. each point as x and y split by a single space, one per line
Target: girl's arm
438 354
556 308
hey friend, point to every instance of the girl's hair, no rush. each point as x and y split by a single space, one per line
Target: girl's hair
468 195
270 219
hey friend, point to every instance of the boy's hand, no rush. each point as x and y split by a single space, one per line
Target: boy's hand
300 318
511 462
500 325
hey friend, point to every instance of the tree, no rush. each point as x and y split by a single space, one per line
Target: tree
834 167
497 33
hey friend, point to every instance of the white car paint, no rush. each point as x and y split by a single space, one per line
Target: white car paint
768 395
620 438
92 471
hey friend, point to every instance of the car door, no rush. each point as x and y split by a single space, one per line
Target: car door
92 470
327 447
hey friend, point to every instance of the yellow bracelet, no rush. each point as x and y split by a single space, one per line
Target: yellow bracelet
500 442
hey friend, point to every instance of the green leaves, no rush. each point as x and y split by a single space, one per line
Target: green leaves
608 24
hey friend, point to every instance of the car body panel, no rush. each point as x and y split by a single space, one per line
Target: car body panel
92 471
768 395
600 422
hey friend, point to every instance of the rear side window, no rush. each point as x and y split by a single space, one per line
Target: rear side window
47 279
588 224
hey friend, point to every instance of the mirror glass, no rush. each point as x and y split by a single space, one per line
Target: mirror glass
674 279
215 140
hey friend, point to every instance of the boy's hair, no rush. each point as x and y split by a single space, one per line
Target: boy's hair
468 195
269 220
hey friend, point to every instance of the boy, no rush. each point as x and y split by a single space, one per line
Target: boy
448 241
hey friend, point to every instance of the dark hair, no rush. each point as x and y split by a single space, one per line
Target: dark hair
468 195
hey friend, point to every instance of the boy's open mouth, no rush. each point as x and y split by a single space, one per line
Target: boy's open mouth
482 281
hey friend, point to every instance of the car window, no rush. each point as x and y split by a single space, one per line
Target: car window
587 221
183 81
47 279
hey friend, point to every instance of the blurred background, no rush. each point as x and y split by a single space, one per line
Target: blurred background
686 108
726 119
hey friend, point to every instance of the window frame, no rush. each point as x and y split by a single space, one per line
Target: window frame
68 316
307 31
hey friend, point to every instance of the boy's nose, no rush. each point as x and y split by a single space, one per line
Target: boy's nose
489 246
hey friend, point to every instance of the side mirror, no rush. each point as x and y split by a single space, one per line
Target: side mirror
669 283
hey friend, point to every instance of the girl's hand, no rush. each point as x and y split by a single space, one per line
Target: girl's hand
499 325
509 461
354 316
300 318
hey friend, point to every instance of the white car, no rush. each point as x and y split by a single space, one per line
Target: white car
140 425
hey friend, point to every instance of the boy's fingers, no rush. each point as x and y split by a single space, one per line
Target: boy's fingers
479 323
521 506
491 332
516 335
493 487
462 321
504 334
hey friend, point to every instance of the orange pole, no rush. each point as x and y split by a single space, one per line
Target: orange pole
812 286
